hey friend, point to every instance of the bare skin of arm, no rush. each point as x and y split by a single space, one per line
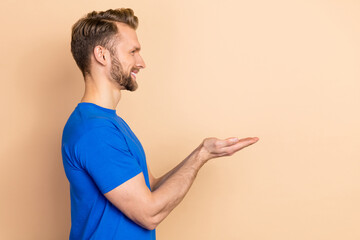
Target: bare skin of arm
148 208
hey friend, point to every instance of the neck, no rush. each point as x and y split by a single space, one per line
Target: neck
101 92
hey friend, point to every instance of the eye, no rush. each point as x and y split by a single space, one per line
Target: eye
133 52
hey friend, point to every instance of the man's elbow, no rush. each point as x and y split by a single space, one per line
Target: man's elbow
149 226
151 222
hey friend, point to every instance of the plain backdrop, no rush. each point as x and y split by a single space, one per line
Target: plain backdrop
284 71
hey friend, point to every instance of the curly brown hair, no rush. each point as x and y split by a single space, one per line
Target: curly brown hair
98 28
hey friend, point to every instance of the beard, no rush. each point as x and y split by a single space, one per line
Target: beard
120 77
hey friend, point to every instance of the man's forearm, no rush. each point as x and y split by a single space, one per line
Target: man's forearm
159 181
173 186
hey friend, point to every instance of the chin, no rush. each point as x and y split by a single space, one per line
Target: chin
132 88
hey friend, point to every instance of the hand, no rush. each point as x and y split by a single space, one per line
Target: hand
213 147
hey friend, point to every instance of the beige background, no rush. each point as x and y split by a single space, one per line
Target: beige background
284 71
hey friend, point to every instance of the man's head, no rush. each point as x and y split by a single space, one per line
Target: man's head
108 39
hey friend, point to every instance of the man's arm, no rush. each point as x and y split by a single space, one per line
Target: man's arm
148 208
156 182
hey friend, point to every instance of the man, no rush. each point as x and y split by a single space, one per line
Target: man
113 194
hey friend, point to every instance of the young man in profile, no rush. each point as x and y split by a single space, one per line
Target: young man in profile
113 194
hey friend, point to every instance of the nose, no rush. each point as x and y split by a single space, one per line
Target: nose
140 62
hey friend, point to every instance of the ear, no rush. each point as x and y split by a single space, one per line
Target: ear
101 55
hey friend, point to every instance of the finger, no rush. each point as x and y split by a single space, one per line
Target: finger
232 141
227 142
242 143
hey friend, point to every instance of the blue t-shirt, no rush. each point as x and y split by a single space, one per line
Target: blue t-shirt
100 152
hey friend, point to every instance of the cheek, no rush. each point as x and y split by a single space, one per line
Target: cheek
128 65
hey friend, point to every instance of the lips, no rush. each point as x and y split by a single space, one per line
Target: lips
134 72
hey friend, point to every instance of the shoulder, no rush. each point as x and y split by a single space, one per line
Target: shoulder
105 132
98 140
82 122
82 131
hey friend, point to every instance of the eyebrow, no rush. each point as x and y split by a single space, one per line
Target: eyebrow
136 48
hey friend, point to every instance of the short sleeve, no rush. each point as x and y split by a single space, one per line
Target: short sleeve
104 154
